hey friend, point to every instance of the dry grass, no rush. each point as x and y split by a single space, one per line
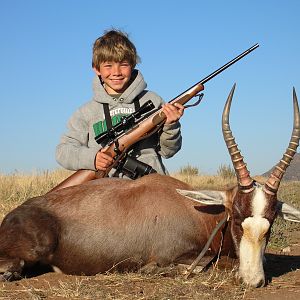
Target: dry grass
17 187
214 284
289 192
211 285
206 181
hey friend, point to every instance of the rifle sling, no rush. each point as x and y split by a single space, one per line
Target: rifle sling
136 103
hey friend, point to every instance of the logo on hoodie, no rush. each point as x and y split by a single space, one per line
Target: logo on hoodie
116 116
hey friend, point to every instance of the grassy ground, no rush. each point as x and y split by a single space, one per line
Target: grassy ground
168 284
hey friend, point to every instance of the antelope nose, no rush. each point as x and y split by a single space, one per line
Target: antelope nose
261 283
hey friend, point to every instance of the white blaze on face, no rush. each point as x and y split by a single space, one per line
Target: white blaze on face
253 242
259 202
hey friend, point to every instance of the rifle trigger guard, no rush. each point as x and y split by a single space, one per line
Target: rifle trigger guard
116 149
197 102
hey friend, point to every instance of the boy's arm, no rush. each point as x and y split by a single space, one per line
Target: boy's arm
73 152
170 140
170 135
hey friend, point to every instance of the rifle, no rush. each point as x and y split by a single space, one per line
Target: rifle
137 127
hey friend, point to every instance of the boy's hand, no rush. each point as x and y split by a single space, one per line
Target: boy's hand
103 161
173 112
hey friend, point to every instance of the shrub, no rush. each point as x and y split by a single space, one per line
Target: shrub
226 171
189 171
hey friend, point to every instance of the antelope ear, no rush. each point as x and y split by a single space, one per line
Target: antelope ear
205 197
288 212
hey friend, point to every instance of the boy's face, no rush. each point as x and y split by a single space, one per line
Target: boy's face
115 75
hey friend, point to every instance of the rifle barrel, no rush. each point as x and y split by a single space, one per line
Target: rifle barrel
218 71
215 73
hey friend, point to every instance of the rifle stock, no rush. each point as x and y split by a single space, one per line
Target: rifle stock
76 178
143 129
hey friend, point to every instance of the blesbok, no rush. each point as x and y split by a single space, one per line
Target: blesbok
116 223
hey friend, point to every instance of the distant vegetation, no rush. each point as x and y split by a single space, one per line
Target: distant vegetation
17 187
189 170
226 171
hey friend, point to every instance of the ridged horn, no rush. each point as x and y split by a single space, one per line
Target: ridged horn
240 167
273 182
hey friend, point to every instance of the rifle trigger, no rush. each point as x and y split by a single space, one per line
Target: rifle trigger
197 102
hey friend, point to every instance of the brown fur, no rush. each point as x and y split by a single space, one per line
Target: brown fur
109 222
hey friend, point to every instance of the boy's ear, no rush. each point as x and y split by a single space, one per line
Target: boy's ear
96 71
288 212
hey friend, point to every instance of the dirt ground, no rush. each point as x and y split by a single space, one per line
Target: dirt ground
282 273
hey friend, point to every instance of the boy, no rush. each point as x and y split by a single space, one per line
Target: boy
119 88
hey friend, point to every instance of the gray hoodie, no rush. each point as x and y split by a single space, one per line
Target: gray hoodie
77 148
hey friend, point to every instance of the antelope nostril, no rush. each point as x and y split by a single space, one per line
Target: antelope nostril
260 283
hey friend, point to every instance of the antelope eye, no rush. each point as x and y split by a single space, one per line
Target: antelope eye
238 221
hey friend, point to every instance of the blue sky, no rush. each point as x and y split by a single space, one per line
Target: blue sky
45 73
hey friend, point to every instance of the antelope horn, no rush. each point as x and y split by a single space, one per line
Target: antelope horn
240 167
273 182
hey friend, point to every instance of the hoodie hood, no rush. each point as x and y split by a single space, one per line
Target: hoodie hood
135 88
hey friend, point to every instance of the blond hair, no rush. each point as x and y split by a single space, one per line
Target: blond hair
114 46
